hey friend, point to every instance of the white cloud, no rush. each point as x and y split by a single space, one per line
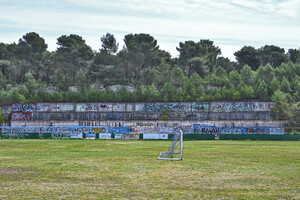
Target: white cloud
230 24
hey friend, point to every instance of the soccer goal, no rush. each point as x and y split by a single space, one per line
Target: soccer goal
176 147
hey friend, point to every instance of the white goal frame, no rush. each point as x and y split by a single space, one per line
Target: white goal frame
177 140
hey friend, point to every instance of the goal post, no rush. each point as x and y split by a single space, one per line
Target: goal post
175 149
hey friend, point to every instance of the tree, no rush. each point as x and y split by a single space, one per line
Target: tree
262 91
177 76
247 56
245 91
106 69
32 47
226 64
139 53
266 73
2 119
221 72
189 89
16 97
294 55
204 49
3 81
247 75
152 94
198 65
271 54
73 54
109 44
161 73
275 85
31 83
168 92
285 85
32 43
61 81
81 81
234 77
282 109
196 80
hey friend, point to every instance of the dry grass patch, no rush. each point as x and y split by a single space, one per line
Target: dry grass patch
118 169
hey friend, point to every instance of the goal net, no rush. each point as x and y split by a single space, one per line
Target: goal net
175 150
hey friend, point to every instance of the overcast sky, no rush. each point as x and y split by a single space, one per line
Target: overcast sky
231 24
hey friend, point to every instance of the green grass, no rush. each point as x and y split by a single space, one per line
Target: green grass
115 169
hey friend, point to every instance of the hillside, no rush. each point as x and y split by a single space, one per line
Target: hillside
77 74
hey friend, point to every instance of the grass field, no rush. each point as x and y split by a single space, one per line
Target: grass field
115 169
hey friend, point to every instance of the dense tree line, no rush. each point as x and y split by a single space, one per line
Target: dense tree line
200 73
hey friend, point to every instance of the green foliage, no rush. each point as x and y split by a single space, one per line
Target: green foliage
198 74
265 73
81 81
246 92
235 77
220 72
275 85
262 91
247 75
165 117
3 81
30 83
62 81
2 119
109 44
268 54
285 85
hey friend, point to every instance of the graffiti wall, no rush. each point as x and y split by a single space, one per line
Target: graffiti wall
160 107
23 111
119 107
262 106
21 116
200 107
149 132
120 130
146 107
230 106
55 107
31 107
205 129
143 111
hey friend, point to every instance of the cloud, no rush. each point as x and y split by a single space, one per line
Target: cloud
231 24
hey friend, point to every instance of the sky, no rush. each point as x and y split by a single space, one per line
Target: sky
231 24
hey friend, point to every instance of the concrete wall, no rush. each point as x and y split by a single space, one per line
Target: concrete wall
240 123
224 113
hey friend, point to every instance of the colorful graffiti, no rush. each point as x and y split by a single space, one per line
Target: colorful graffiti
230 106
84 107
25 116
146 107
55 107
160 107
205 129
200 106
92 131
31 107
103 129
120 130
143 111
46 107
119 107
262 106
